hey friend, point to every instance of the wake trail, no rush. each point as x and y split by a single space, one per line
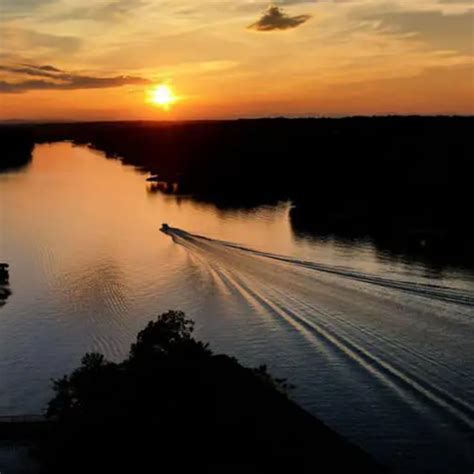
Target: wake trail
393 346
343 315
439 292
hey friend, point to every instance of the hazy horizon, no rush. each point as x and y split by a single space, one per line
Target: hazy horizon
45 121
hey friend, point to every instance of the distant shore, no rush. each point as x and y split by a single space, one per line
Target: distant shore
403 182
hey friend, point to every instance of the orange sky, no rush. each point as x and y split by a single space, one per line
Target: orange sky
69 59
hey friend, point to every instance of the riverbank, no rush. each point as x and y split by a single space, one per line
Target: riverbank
403 181
285 434
207 413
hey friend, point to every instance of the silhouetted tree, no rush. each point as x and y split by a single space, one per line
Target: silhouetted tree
170 334
174 406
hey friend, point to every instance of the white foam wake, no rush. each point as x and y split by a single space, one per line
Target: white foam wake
391 330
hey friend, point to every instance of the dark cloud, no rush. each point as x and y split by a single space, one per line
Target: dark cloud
46 68
274 18
51 78
37 71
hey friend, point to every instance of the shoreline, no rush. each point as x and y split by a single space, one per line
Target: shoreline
401 181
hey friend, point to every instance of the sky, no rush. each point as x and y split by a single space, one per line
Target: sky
100 59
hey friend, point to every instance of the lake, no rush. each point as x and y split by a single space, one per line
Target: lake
380 349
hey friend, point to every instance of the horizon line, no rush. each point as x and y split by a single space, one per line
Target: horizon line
233 119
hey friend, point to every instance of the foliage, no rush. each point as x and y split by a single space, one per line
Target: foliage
173 406
170 385
170 334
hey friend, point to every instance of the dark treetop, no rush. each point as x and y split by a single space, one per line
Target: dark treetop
174 406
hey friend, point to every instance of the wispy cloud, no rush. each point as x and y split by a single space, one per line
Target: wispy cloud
443 32
24 40
274 18
51 78
109 11
21 8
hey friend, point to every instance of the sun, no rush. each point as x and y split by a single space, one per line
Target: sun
162 96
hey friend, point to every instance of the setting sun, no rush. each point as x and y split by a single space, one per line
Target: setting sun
162 96
291 176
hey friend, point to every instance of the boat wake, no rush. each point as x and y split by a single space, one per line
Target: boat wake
408 340
442 293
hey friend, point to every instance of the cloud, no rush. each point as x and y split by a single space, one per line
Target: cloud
443 32
23 40
19 8
46 68
103 12
51 78
274 18
37 71
293 2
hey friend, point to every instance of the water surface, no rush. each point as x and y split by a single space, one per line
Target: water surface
381 350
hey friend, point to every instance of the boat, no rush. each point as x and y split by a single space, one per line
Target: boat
4 275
